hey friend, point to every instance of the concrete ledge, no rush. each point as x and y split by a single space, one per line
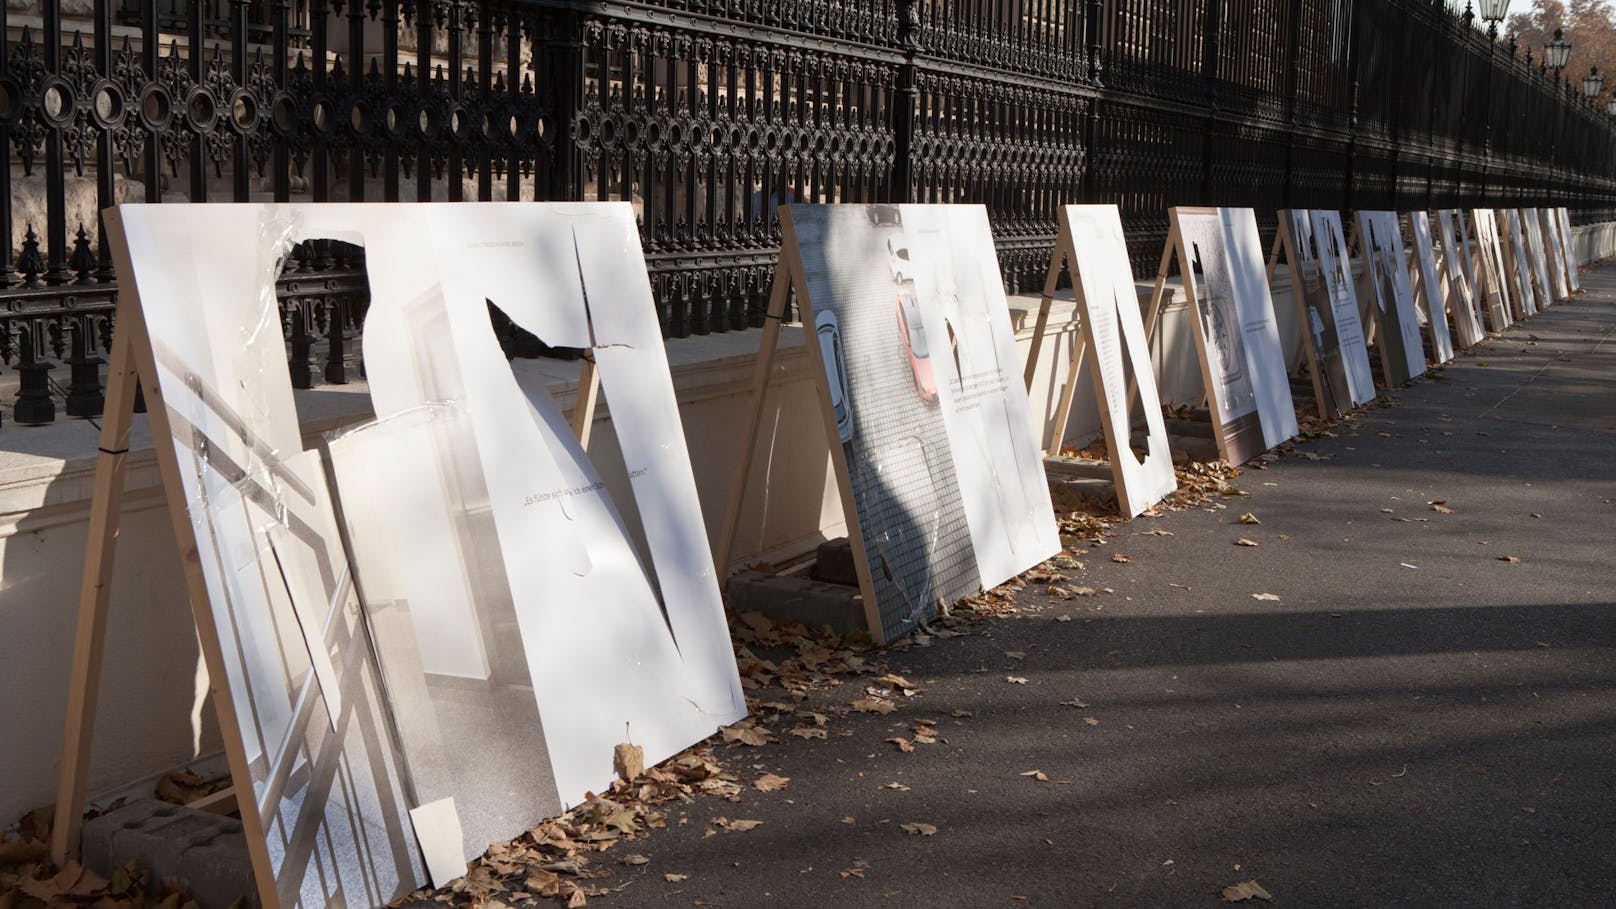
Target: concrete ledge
203 854
816 604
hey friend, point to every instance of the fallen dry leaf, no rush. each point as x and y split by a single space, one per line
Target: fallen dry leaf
1245 542
1119 557
744 733
1092 721
806 732
918 829
1063 618
634 858
1265 596
1015 680
628 760
962 714
895 786
874 705
672 878
770 782
578 900
1245 890
738 825
902 743
1440 506
1249 518
1508 558
1038 775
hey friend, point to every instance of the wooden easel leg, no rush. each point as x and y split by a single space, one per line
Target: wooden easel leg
1153 312
1063 241
761 372
583 406
1063 411
89 641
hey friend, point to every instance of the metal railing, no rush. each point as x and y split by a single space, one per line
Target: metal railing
704 114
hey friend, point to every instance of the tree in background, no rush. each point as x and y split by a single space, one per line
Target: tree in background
1590 27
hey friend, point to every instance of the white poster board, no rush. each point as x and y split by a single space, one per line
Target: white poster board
1460 278
1569 244
1518 267
1549 230
1493 280
1094 247
1429 296
1537 255
1386 276
941 473
308 725
1243 365
1327 309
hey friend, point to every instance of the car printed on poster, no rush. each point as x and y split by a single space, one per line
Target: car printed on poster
830 350
913 333
898 260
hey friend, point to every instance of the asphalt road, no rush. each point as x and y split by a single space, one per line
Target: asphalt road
1416 721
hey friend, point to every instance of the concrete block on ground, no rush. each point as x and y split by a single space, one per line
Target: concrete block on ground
787 598
1063 468
1081 493
834 563
203 853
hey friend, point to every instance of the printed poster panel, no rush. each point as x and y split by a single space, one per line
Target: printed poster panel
1243 365
1329 311
474 523
1462 293
1259 328
1569 244
1537 255
1402 353
1549 231
1519 266
1118 355
1430 289
1493 280
917 352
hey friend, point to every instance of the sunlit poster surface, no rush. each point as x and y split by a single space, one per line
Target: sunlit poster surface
1118 354
919 359
1220 256
1430 289
1463 299
1402 353
1492 282
1329 310
490 556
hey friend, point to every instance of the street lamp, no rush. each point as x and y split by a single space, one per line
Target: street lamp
1492 13
1592 83
1610 106
1556 51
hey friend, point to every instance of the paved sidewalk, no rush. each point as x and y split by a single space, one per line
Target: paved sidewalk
1419 719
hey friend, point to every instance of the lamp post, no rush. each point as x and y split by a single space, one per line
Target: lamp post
1556 51
1592 83
1492 13
1610 105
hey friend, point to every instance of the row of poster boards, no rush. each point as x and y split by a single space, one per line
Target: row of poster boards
436 629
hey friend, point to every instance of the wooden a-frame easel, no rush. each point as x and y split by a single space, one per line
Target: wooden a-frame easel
1065 254
1287 244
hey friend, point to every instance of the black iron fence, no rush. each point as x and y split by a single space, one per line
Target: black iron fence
704 114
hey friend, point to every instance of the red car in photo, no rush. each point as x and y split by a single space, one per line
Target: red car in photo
913 332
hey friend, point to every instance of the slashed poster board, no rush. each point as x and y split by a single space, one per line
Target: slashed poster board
1517 267
330 759
1315 248
1538 256
1460 277
1569 245
1243 371
1493 281
1091 244
940 472
1429 298
1386 282
1549 231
